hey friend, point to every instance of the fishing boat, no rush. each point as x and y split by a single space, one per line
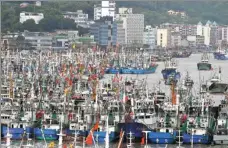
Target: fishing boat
221 132
165 132
204 64
182 54
170 69
216 85
200 123
151 69
220 54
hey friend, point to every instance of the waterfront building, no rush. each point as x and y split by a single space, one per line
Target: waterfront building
104 31
24 16
149 36
106 8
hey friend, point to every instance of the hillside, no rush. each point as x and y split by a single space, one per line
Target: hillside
155 13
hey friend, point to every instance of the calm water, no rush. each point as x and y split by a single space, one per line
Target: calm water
184 65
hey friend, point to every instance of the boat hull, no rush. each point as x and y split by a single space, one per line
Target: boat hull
47 134
220 139
161 137
100 136
197 139
218 88
112 71
17 133
126 71
135 128
167 72
204 66
138 71
220 56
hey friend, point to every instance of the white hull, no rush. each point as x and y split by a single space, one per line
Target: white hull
220 139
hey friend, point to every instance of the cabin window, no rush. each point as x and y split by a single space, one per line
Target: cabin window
147 117
167 130
21 126
12 126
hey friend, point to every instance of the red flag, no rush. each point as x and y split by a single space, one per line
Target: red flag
143 140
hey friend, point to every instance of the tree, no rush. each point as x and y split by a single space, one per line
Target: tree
82 31
30 25
49 24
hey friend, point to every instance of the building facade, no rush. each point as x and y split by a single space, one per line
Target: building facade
120 33
133 25
104 31
80 18
149 36
106 8
175 39
24 16
163 37
38 40
207 34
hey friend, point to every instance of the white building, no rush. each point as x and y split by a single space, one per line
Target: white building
204 31
134 27
199 29
24 16
80 18
207 34
163 37
175 39
120 33
224 33
125 10
107 8
149 36
38 40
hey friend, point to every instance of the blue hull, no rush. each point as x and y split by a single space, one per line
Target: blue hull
219 56
100 136
167 72
112 71
126 71
162 138
17 133
135 128
197 139
80 132
49 134
138 71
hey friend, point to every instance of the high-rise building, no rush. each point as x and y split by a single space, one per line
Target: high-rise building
106 8
133 25
120 33
104 31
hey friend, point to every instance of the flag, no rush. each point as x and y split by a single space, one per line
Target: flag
89 138
95 127
143 140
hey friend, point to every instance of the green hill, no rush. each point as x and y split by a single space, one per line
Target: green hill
155 13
